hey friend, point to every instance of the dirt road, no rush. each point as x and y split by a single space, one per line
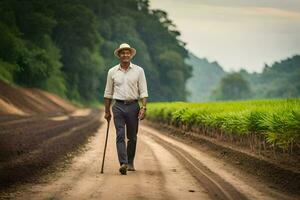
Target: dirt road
166 169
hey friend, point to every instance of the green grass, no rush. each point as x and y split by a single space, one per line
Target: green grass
277 121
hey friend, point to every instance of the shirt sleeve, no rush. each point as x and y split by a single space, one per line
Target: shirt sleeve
109 90
142 85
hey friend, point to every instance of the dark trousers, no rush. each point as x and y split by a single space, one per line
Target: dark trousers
126 122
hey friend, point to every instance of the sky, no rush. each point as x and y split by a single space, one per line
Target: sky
238 34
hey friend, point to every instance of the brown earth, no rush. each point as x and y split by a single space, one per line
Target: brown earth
282 172
23 101
36 130
38 159
165 169
30 144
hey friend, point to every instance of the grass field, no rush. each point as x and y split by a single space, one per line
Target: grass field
260 123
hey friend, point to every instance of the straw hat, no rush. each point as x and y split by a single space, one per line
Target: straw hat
124 46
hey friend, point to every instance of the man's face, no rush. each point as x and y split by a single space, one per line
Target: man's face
125 55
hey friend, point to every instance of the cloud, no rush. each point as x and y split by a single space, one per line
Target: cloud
238 34
288 5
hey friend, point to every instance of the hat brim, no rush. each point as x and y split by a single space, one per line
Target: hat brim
132 50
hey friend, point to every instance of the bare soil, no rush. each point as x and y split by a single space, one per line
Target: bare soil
23 101
50 149
31 144
166 168
36 130
281 173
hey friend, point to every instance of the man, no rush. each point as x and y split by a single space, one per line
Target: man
126 84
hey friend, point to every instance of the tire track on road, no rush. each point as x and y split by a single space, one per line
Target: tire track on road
217 187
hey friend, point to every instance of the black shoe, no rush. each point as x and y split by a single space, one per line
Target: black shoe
130 167
123 169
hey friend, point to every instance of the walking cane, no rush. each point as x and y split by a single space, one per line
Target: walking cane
105 146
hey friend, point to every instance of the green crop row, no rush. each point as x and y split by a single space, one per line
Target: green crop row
276 121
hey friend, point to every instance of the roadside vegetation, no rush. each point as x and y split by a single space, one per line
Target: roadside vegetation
261 124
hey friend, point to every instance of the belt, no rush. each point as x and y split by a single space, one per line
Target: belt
126 101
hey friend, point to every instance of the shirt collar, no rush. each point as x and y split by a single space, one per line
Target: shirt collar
130 66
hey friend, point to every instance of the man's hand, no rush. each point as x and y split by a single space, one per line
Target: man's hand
107 116
107 103
142 113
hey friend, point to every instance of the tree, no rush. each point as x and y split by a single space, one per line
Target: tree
232 87
77 36
66 46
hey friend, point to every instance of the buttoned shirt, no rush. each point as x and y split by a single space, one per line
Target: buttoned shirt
127 84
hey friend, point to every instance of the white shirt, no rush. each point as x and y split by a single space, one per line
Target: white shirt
126 85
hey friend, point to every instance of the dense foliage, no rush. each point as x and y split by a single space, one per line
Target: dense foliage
232 87
67 46
280 80
276 122
210 82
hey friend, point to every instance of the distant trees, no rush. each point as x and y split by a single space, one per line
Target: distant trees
67 46
232 87
280 80
206 77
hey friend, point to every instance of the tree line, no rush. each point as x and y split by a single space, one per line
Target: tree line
279 80
66 46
